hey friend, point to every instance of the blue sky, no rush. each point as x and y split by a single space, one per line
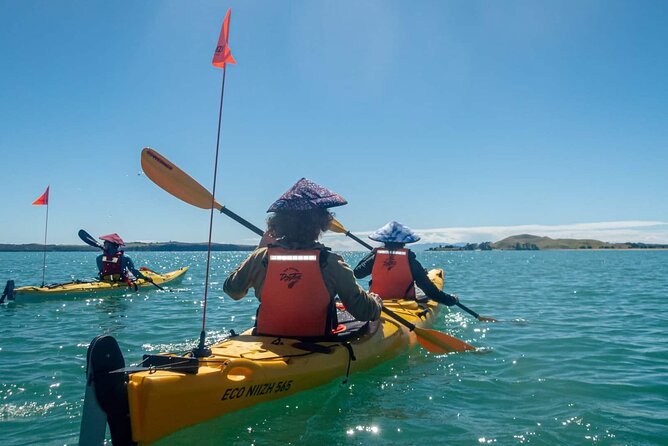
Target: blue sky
467 121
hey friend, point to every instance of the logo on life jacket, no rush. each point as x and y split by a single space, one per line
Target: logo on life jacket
389 263
291 276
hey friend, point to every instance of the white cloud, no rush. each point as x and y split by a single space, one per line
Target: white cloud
615 232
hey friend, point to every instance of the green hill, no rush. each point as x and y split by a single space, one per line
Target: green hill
534 242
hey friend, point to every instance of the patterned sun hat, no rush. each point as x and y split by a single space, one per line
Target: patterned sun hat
306 195
394 232
113 238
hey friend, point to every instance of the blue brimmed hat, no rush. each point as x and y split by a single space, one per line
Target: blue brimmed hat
306 195
394 232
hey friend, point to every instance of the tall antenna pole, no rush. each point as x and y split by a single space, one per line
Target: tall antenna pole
201 348
221 58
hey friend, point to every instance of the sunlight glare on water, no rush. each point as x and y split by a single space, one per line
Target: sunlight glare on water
580 357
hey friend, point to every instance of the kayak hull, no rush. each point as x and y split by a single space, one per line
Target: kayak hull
75 289
246 370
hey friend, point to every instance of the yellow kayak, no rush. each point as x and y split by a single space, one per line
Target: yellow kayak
79 288
168 392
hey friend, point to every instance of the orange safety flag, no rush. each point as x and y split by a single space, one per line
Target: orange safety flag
44 199
223 54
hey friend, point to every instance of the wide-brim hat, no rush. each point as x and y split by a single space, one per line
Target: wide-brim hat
306 195
394 232
113 238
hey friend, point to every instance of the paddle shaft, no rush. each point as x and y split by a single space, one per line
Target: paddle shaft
242 221
359 240
468 310
398 318
463 307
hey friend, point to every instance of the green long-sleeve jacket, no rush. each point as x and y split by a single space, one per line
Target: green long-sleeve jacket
337 275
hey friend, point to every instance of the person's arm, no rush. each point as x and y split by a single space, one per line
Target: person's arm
242 279
365 266
98 260
127 263
362 305
422 281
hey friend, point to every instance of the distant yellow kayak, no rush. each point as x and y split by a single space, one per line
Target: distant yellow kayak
78 288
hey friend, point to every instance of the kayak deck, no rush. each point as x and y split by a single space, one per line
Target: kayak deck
79 288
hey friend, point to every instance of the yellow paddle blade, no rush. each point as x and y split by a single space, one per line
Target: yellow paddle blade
175 181
437 342
336 226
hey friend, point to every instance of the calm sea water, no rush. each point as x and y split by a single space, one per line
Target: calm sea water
580 358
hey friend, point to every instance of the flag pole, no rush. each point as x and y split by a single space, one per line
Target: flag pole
221 57
44 200
46 229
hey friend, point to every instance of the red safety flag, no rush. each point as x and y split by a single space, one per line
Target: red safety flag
44 199
223 55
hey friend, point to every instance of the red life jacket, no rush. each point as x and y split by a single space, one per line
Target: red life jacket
111 267
391 276
295 301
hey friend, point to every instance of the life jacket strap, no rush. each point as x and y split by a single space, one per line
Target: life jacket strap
351 358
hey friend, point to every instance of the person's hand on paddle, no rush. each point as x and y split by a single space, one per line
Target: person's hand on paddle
378 300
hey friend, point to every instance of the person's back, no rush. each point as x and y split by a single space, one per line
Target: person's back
296 278
395 269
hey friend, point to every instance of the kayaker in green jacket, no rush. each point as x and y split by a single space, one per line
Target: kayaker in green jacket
296 278
395 270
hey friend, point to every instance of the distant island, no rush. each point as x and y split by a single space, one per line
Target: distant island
134 246
528 242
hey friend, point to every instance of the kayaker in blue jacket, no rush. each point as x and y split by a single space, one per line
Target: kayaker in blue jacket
113 265
394 270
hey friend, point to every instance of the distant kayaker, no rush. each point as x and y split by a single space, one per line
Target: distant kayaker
296 278
113 265
395 270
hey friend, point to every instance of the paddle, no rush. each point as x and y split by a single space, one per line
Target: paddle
474 314
169 177
433 341
90 240
178 183
335 226
342 230
143 268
